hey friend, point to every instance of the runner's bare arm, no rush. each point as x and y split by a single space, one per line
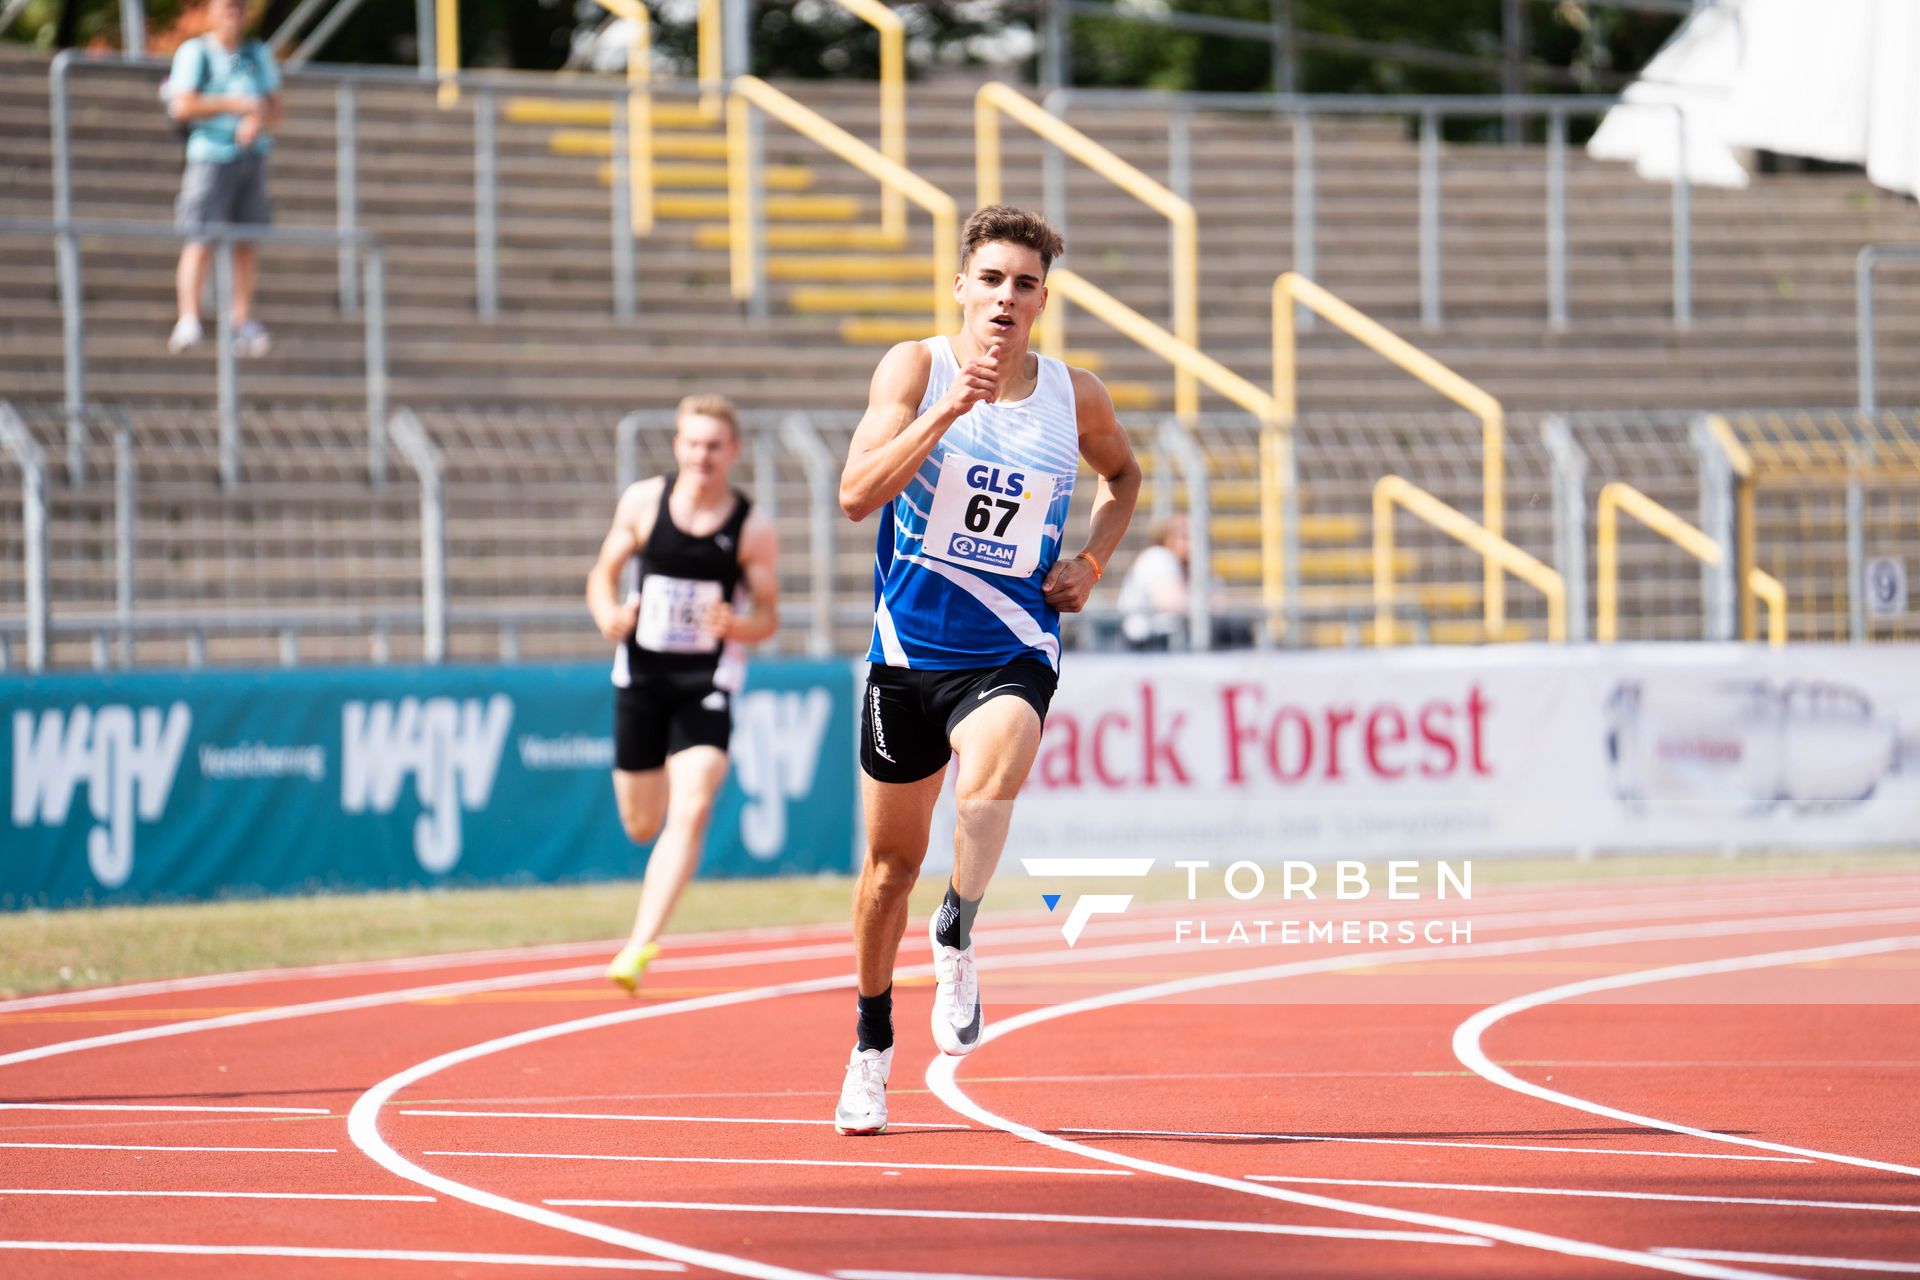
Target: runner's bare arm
638 507
1107 450
759 559
890 443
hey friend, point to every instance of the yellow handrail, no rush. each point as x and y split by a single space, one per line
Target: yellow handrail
708 59
893 101
1391 491
749 92
639 110
446 49
995 99
1182 355
1292 288
1619 496
1774 592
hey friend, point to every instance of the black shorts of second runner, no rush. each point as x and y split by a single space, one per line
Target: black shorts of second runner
664 713
909 715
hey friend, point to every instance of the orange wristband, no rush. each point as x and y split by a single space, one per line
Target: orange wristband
1098 572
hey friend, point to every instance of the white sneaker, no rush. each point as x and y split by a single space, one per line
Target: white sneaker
186 333
863 1095
956 995
252 340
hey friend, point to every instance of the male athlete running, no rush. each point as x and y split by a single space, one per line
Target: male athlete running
968 449
679 660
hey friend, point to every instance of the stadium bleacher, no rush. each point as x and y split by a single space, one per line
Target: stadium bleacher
524 407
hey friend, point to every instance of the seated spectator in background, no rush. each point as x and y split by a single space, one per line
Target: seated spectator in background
1153 597
225 92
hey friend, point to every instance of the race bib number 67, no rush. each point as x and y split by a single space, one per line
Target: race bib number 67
988 516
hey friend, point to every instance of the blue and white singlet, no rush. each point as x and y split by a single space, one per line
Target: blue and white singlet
963 549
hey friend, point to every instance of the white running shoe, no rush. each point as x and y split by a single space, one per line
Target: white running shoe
863 1095
251 340
186 334
956 995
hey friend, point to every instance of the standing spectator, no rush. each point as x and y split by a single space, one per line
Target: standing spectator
225 90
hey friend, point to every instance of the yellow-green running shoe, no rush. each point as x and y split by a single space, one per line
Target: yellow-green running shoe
632 961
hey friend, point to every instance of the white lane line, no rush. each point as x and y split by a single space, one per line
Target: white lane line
221 1195
922 1275
1796 1260
1064 1219
761 1160
356 1255
112 1146
942 1071
1435 1142
101 1106
363 1120
1868 1206
280 1013
1467 1037
616 1115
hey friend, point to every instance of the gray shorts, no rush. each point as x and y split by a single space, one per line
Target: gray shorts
233 191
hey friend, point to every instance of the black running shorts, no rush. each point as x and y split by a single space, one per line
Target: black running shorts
908 716
665 712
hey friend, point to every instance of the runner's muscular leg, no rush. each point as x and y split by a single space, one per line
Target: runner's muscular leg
642 801
997 745
898 814
693 779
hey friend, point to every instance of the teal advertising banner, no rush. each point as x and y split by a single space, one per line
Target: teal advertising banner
143 787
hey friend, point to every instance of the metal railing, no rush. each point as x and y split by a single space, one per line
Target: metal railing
411 439
1392 491
25 452
1182 452
996 99
1868 354
1569 464
1292 289
1301 109
70 232
1617 497
746 197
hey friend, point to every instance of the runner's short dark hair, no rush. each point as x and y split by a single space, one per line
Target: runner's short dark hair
1005 224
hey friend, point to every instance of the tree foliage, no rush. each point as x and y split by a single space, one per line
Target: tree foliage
1591 42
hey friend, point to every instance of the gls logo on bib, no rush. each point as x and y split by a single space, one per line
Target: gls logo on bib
451 748
127 759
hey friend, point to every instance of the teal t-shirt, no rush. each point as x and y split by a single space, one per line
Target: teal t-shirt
202 65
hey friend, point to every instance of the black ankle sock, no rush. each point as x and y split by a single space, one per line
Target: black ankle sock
954 923
875 1023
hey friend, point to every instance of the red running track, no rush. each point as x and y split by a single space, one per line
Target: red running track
1710 1077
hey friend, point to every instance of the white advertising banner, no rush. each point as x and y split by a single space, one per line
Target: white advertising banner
1516 749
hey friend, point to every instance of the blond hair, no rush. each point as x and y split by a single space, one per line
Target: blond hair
709 405
1004 224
